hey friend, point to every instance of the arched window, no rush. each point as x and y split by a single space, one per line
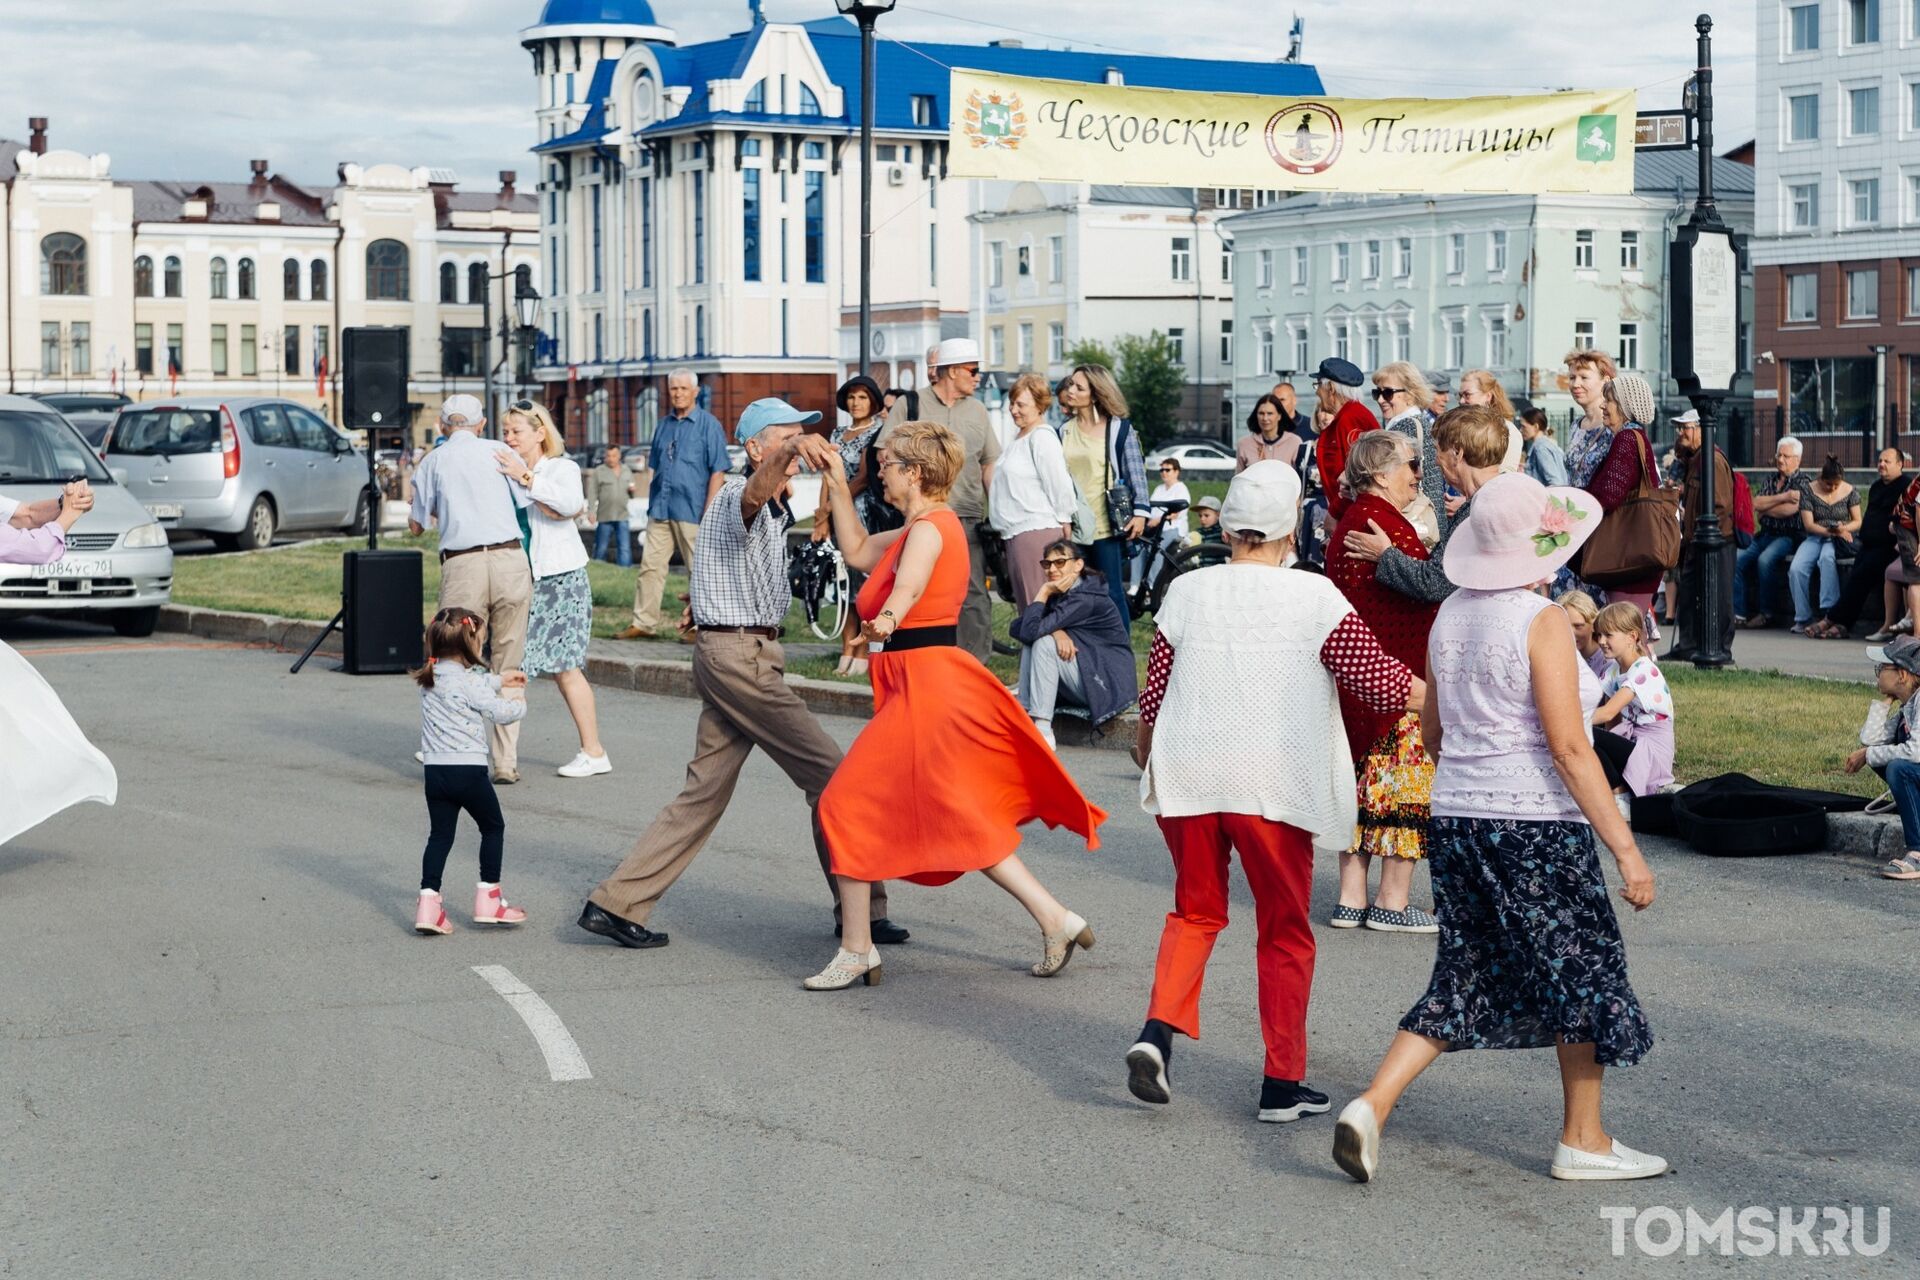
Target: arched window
290 279
63 265
387 272
522 279
171 278
318 280
809 104
449 282
476 282
217 278
757 99
246 289
143 277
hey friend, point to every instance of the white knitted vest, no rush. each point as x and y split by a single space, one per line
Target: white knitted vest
1251 720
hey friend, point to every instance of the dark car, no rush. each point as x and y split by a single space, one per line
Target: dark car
91 412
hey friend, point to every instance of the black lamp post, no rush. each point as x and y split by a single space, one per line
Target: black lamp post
526 301
866 13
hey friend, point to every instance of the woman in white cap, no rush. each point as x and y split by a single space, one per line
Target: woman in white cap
1628 409
1530 953
1247 663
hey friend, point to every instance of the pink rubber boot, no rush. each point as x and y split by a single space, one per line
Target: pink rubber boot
489 907
431 916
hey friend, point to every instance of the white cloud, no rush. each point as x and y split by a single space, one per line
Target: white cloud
195 88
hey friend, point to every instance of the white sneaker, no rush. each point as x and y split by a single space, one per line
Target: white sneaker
1356 1141
419 757
1622 1164
1046 731
585 766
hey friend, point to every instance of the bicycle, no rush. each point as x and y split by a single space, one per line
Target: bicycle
1146 598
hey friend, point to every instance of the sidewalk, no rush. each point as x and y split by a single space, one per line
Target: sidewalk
1780 650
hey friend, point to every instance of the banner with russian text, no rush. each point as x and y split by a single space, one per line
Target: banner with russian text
1020 128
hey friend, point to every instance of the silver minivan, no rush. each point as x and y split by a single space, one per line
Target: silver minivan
117 566
240 469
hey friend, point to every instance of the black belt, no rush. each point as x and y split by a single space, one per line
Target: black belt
467 551
771 633
922 638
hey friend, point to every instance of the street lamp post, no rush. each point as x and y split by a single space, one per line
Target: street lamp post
526 300
866 13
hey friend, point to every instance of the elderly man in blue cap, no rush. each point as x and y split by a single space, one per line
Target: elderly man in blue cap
739 597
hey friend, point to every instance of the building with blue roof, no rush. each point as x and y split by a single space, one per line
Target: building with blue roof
699 202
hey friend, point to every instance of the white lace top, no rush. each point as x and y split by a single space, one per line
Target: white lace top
1494 761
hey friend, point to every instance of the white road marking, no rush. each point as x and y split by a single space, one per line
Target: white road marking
564 1059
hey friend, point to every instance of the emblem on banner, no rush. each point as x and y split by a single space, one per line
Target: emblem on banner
994 120
1595 137
1305 137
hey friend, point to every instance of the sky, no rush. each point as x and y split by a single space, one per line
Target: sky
196 88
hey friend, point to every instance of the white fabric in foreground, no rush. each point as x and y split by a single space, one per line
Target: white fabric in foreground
46 763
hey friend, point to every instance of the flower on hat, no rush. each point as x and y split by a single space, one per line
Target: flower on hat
1556 525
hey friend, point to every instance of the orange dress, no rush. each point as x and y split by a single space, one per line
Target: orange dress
950 767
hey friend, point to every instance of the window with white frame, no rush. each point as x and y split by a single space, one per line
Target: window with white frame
1627 354
1299 349
1056 343
1182 258
1263 362
1177 345
1803 205
1913 290
1370 264
1863 294
997 346
1863 111
1265 260
1023 260
1370 344
1301 270
1056 259
1026 344
1863 21
1803 28
996 264
1226 343
1803 116
1342 337
1496 252
1226 261
1803 297
1403 258
1496 341
1913 193
1402 327
1455 328
1583 251
1583 335
1865 194
1629 250
1457 254
1913 86
1342 261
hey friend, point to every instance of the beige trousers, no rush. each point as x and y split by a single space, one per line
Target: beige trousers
497 585
664 537
745 702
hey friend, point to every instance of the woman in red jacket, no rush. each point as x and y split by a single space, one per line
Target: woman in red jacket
1334 382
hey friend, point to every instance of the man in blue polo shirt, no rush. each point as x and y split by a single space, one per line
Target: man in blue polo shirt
689 462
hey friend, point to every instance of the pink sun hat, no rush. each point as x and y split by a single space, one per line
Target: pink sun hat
1518 532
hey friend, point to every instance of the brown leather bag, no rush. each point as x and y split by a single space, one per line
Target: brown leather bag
1640 538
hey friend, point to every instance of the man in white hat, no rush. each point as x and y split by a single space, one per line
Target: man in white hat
949 401
483 566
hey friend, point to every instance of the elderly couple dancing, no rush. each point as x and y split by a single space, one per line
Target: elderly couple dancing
946 737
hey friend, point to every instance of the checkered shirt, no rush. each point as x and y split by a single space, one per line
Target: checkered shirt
740 573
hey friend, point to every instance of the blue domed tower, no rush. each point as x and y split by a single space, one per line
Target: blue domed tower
569 41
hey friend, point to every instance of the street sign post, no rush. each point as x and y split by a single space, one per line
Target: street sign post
1662 131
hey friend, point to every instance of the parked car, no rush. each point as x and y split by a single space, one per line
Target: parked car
241 470
90 412
117 563
1203 460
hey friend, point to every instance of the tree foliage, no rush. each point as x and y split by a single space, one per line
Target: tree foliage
1153 383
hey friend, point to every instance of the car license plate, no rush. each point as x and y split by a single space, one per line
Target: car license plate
164 510
82 568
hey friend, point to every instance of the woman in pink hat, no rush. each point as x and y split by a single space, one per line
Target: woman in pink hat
1530 953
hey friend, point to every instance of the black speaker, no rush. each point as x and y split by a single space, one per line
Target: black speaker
380 596
373 378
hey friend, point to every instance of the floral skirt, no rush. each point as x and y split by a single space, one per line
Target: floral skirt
1529 948
559 624
1396 787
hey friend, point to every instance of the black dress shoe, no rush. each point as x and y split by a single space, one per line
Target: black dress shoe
625 932
884 932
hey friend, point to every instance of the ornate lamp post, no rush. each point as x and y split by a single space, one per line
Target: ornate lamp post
526 301
866 13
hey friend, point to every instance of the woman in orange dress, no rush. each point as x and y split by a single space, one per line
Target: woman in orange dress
950 767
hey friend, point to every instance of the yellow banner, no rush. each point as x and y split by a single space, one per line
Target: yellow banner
1016 127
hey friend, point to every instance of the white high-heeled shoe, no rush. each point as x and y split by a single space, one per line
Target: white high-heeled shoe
847 969
1076 932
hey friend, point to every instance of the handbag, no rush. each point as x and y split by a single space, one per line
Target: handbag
1118 497
1640 538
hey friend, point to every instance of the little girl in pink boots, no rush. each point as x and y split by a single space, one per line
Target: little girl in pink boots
458 697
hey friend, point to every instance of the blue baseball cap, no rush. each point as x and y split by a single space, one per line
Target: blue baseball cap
771 412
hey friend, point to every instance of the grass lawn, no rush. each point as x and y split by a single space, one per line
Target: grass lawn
1729 721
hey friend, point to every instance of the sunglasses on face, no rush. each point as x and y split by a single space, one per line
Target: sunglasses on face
1167 471
1052 566
1386 393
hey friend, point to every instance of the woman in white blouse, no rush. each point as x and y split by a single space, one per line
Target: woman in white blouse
1032 500
561 619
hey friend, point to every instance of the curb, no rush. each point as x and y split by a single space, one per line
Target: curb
665 677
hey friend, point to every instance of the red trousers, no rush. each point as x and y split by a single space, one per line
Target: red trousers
1278 862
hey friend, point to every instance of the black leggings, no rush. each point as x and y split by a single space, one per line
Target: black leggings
1614 752
451 788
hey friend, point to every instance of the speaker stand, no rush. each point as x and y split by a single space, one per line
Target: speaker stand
325 631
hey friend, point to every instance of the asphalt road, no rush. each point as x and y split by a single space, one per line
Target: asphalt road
223 1053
